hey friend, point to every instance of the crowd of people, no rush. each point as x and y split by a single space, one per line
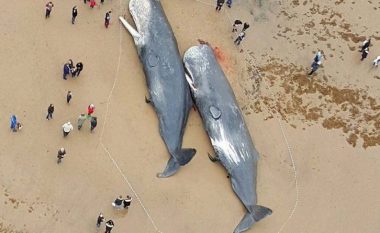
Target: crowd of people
74 71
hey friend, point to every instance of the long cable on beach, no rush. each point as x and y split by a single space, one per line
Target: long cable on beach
102 132
289 148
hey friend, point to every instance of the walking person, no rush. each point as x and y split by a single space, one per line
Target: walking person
240 38
90 109
118 202
92 3
49 8
229 3
219 4
66 70
364 54
74 14
235 25
61 155
81 119
127 202
69 96
94 123
314 67
99 220
79 68
13 123
107 19
366 44
245 27
318 57
109 226
376 61
50 112
67 127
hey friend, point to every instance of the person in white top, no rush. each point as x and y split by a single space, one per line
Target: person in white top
376 61
67 127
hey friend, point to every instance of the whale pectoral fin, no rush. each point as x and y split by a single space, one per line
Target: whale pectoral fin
148 100
135 34
259 212
171 168
213 159
185 155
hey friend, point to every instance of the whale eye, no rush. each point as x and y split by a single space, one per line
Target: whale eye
215 112
153 60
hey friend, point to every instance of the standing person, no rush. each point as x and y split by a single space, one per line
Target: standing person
90 109
81 120
229 3
109 226
69 96
61 155
314 67
79 68
92 3
74 14
239 39
236 23
99 220
364 53
318 57
13 123
366 44
94 123
50 112
245 27
127 202
49 7
118 202
219 4
376 61
67 127
107 19
66 70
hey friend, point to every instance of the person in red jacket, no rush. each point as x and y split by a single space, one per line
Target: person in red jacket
90 109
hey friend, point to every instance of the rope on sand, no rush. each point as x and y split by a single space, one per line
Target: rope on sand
102 132
289 148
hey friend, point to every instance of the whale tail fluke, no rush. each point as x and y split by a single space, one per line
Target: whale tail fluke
171 168
259 212
175 162
185 155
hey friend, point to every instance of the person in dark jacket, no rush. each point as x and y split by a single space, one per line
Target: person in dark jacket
236 23
66 70
69 96
49 7
366 44
74 14
50 112
219 4
127 202
109 226
118 202
364 53
245 27
107 19
94 122
79 68
99 220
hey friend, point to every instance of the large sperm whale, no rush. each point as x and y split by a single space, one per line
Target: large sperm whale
226 128
168 90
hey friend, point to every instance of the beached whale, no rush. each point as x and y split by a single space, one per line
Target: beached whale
165 76
226 128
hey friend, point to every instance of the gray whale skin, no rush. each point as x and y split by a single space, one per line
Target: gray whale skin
165 76
226 129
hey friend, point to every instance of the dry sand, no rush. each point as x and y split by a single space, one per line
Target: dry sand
331 123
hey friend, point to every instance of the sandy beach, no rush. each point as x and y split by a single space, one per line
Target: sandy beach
318 137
